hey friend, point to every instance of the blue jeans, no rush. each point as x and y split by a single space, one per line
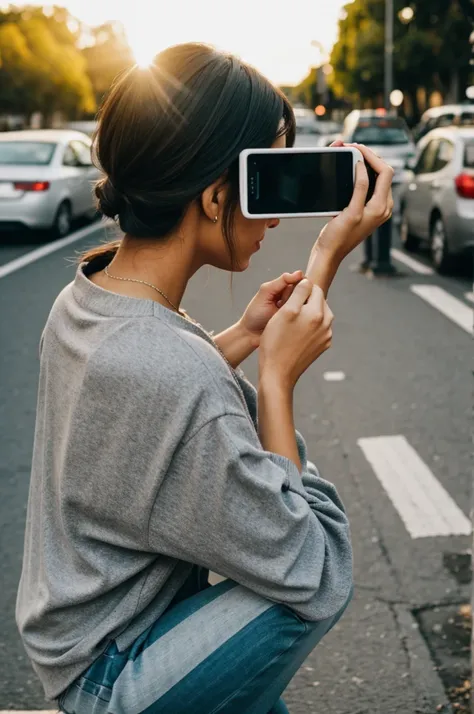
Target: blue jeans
221 650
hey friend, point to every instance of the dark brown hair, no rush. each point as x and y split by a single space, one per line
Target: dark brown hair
167 132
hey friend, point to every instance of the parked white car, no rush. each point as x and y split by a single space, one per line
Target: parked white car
446 115
438 197
305 121
386 134
46 179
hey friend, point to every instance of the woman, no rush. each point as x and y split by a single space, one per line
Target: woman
149 465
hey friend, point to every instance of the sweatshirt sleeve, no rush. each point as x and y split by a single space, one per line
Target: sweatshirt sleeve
250 516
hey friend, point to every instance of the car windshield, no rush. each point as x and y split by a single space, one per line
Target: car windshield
469 155
26 153
380 134
466 119
300 112
304 116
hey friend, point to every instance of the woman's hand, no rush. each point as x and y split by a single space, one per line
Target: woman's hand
295 337
347 230
267 302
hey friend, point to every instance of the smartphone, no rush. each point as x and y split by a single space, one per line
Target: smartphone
298 182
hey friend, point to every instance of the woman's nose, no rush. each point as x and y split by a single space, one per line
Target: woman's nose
273 223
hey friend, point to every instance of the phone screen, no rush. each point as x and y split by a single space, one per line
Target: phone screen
285 183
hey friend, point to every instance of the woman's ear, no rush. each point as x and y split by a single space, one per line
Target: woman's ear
212 200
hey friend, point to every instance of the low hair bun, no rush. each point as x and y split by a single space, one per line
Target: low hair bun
110 201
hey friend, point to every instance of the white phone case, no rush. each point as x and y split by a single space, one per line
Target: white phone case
296 150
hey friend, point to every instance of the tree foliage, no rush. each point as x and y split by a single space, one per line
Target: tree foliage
107 56
45 67
429 52
41 68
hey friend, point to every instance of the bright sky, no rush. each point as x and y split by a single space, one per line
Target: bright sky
276 41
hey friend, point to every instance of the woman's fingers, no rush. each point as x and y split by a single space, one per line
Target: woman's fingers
328 314
372 159
382 198
277 286
356 207
383 188
338 142
300 294
285 295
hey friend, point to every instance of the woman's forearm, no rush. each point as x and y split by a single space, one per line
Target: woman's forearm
236 343
276 427
322 267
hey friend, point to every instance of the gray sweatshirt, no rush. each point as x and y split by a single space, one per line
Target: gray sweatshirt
147 460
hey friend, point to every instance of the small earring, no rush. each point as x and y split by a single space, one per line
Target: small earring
214 220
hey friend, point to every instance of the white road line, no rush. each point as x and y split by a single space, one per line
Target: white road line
425 507
469 296
44 250
411 262
334 376
451 307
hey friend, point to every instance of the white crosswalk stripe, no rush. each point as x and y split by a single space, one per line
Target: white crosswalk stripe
456 310
469 296
334 376
410 262
47 249
425 507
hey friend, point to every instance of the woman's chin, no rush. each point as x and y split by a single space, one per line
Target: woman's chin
242 265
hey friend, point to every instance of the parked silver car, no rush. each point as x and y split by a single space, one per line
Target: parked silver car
46 179
438 198
388 135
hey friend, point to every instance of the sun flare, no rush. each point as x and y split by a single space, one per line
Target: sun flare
144 55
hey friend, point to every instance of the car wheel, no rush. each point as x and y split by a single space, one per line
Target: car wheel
408 240
63 220
440 255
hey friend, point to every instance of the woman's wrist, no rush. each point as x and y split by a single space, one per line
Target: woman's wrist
237 343
270 382
276 428
323 264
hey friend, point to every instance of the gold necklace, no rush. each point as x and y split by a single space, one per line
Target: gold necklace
143 282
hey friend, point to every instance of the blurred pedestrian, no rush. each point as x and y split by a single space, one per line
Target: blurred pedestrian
149 464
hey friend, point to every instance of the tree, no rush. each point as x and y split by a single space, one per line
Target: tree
431 52
106 57
41 68
18 71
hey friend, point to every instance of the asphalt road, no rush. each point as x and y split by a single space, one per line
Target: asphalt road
406 372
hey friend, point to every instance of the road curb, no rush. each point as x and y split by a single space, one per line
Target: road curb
425 678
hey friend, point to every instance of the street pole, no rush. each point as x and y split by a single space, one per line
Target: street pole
382 265
388 83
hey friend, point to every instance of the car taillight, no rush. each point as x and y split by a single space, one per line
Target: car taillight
31 185
465 185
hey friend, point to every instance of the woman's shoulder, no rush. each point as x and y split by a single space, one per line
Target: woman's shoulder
156 354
